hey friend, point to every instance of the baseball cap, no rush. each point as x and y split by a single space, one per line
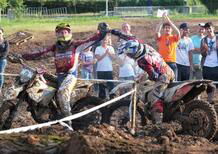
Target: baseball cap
208 24
183 26
201 24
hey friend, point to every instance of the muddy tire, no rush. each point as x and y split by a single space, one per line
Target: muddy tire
89 119
118 115
7 114
204 117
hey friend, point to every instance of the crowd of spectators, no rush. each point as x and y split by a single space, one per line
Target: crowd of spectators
190 57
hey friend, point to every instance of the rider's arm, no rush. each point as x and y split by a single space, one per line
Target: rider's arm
90 41
121 35
34 55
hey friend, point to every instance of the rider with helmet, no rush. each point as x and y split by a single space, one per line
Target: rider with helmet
66 52
150 61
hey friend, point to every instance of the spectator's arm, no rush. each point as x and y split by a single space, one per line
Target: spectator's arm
100 57
158 30
173 25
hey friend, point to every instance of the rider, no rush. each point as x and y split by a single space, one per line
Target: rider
150 61
66 52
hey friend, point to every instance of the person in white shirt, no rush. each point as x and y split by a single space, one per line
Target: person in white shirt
104 55
126 69
209 49
185 45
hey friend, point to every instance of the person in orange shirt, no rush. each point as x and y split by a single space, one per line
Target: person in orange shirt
167 42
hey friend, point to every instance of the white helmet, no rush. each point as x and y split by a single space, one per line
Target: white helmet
132 48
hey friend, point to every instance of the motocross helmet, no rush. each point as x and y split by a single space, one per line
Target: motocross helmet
63 26
132 48
65 37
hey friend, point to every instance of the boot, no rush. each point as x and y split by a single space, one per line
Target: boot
157 117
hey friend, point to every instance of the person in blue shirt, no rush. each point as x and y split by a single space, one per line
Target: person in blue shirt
195 55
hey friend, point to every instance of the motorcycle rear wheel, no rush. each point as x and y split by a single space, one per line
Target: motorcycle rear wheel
118 115
205 119
89 119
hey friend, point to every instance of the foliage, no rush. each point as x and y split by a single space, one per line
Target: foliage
212 5
3 4
17 6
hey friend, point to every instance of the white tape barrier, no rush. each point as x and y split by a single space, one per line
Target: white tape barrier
102 80
75 116
8 74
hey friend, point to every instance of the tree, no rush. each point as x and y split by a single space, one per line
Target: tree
17 6
211 5
3 4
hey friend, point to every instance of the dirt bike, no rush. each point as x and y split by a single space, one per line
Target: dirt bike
197 117
38 89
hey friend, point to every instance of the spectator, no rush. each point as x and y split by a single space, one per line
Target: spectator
209 48
104 55
167 42
87 60
4 49
185 46
126 69
195 55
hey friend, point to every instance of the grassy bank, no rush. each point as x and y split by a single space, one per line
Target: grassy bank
80 23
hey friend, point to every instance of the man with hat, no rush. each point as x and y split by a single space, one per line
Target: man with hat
209 48
185 45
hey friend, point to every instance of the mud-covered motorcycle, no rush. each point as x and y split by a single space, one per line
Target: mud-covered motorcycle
197 117
38 89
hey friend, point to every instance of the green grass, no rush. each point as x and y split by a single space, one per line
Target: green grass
48 24
78 23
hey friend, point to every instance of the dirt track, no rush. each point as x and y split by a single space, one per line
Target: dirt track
100 139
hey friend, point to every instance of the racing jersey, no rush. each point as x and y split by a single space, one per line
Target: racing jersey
66 58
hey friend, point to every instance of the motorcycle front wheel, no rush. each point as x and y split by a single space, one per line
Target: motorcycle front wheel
89 119
204 119
7 113
118 115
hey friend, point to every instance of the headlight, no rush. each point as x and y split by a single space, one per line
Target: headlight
26 75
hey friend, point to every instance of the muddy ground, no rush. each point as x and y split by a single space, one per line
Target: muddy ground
104 138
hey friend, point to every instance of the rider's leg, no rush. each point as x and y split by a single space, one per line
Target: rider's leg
64 94
155 97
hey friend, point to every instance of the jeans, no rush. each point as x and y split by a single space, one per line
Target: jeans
127 78
3 63
173 66
85 74
210 73
183 72
107 75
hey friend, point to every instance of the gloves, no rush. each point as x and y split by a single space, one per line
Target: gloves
115 32
154 76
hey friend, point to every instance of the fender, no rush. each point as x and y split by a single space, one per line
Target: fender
180 90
